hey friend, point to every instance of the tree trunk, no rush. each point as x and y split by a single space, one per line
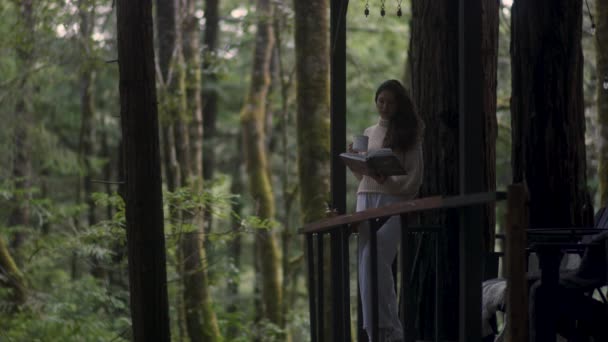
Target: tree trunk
312 79
166 28
19 215
601 60
433 59
144 207
313 108
433 77
235 246
191 47
11 276
209 95
200 318
548 123
254 140
209 100
489 59
87 112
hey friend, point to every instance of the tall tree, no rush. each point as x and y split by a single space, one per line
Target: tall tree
313 108
312 79
601 60
166 28
200 317
254 145
433 58
209 97
144 208
235 246
166 14
209 94
191 32
86 11
87 110
489 59
547 111
433 78
21 168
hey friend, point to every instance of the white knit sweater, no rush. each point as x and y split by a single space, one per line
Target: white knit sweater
407 185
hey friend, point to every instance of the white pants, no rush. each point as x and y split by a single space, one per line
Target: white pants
388 240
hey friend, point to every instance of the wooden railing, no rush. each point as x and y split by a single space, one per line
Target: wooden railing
549 245
341 227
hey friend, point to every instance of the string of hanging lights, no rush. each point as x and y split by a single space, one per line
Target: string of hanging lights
383 8
605 82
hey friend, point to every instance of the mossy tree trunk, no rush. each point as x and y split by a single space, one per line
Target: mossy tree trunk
235 245
601 60
200 317
312 79
433 81
254 146
20 212
11 276
313 108
547 110
144 203
191 32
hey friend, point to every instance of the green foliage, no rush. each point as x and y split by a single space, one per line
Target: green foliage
64 305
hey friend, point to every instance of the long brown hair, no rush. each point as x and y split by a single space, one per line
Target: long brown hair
405 127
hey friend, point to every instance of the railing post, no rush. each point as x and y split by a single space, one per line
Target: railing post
545 320
361 335
311 287
438 301
471 230
338 284
515 264
407 321
346 282
373 244
320 322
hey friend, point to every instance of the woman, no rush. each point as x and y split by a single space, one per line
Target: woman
401 129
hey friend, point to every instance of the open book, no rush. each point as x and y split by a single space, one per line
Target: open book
382 161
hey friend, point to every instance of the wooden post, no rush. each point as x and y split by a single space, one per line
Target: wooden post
471 150
515 260
338 103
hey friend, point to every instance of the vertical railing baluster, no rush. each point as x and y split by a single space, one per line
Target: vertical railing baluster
336 284
373 241
320 286
437 286
311 287
405 271
361 335
345 233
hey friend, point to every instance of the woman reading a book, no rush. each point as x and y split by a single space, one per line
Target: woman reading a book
399 128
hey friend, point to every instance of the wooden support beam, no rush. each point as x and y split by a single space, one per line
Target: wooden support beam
515 260
338 103
471 149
